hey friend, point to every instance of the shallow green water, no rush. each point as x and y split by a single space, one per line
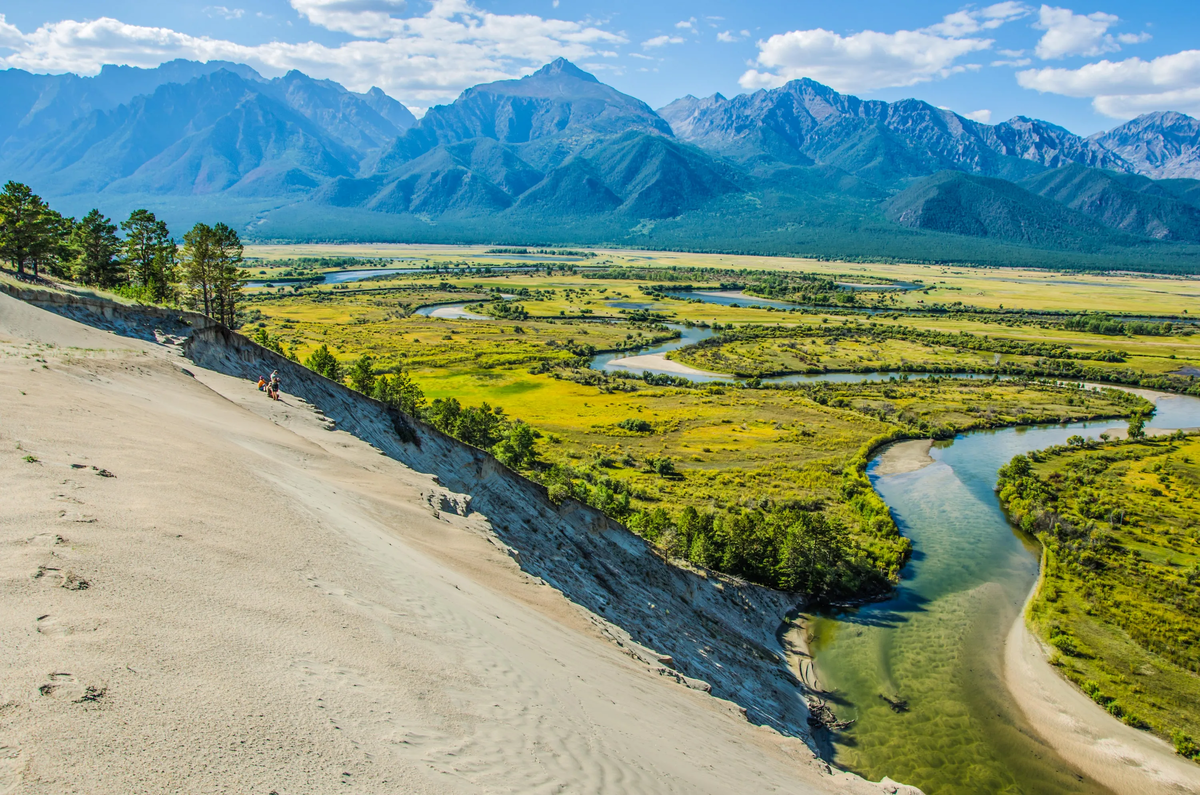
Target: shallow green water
938 643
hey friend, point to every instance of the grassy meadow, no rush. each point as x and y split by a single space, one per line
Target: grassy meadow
1120 524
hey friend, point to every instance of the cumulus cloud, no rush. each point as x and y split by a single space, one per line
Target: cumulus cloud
870 60
726 36
1068 33
662 41
363 18
420 59
687 24
982 116
860 61
1124 89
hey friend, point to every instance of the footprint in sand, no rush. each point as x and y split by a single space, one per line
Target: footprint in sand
62 686
65 687
65 579
47 540
51 627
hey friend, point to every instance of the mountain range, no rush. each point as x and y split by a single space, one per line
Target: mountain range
558 156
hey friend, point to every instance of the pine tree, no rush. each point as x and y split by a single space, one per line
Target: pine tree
149 254
228 275
28 229
362 374
96 246
198 266
322 362
56 257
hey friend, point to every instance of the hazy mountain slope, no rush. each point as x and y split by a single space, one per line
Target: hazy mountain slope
33 106
342 115
963 204
1160 145
293 133
200 137
804 121
1130 203
400 116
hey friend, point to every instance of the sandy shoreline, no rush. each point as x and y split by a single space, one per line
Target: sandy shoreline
901 457
1127 760
658 361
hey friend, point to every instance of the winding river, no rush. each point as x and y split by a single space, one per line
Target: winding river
937 644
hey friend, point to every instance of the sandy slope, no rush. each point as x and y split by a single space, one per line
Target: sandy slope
257 603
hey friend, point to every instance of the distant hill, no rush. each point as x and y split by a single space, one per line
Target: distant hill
1131 203
963 204
560 157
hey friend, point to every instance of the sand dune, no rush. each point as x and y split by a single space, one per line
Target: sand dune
206 591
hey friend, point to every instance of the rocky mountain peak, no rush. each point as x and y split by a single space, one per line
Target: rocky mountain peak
561 67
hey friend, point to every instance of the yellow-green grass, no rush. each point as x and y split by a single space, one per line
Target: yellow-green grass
1125 613
988 288
738 446
813 354
380 325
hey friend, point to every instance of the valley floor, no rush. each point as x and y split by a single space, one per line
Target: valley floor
209 592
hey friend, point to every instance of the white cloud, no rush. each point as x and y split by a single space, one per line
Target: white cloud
687 24
726 37
1015 62
421 59
1124 89
662 41
1133 38
860 61
973 20
1068 33
370 19
222 11
982 116
639 56
869 60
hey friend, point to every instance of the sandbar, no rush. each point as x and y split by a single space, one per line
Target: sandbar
902 457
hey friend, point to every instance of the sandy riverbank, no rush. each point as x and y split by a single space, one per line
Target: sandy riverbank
901 457
209 591
1128 761
658 361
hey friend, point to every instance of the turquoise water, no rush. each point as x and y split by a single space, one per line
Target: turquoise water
938 642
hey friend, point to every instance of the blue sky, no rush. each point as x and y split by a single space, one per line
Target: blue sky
1084 66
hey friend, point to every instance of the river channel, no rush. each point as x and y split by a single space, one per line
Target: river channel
937 644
